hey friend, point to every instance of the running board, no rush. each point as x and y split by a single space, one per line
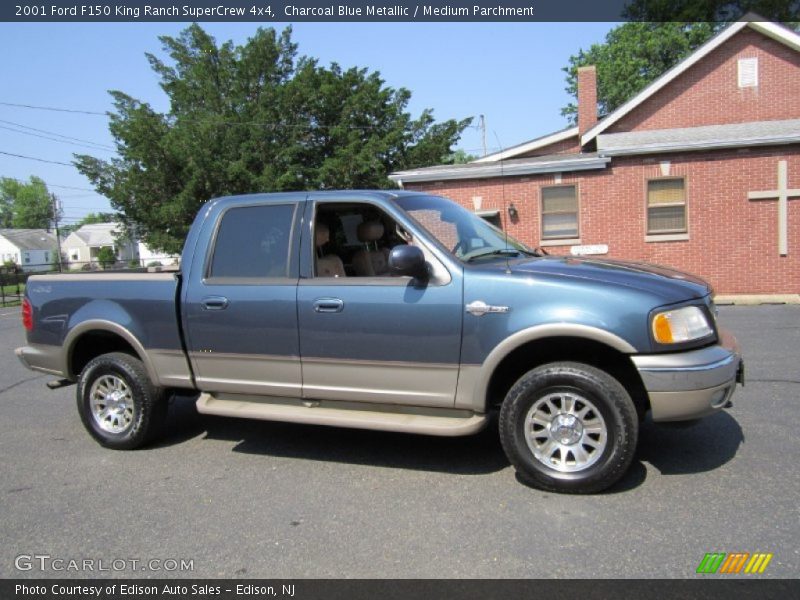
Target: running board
359 415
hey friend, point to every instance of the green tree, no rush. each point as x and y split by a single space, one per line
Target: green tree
106 257
661 34
253 118
25 205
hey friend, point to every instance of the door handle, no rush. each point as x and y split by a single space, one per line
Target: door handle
328 305
214 303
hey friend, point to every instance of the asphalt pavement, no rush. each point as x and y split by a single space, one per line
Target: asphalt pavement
236 498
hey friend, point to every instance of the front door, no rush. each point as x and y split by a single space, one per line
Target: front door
365 335
240 306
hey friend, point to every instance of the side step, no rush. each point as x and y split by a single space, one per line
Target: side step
359 415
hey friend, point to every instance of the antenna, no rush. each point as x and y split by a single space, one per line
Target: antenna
503 196
483 133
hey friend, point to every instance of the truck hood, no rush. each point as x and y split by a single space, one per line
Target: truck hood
669 284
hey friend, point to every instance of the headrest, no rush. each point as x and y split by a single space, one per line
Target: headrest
370 231
322 234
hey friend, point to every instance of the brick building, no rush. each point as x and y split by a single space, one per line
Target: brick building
700 171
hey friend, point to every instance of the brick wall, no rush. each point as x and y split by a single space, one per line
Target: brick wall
733 241
708 92
568 146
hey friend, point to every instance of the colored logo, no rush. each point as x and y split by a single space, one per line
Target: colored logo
734 563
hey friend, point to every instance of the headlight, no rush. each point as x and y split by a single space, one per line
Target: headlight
680 325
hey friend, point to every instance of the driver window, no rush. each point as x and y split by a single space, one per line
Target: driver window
354 240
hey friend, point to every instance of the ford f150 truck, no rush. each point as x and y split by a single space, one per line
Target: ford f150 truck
395 311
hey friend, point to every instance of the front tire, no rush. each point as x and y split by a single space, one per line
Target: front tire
118 404
569 427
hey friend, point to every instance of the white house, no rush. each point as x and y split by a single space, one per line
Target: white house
31 249
148 256
82 246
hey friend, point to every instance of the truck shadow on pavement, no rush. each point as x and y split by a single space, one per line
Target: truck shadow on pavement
671 449
683 448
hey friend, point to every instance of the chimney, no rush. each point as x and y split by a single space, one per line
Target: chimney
587 98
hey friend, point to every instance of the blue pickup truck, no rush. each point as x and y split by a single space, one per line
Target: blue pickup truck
394 311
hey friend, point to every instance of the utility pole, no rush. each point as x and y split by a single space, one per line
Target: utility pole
483 133
56 207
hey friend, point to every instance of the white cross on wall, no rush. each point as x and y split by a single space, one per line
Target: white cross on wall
783 195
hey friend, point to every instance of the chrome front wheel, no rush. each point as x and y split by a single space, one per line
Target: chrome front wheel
569 427
566 432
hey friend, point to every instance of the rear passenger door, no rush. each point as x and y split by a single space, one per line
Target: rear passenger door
240 300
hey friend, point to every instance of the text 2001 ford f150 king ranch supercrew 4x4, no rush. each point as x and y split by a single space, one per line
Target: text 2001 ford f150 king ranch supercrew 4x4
395 311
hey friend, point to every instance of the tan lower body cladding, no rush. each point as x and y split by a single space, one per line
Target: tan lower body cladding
360 415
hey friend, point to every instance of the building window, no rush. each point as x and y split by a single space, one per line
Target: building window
559 212
666 206
748 72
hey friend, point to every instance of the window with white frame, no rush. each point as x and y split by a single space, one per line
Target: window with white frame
747 72
559 212
666 206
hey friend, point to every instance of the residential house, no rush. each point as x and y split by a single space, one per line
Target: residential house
81 247
31 249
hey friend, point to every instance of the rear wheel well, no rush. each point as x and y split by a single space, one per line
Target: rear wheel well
93 344
574 349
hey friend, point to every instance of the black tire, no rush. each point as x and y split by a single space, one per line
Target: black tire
148 404
563 473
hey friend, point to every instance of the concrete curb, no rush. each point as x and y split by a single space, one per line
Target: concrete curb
756 299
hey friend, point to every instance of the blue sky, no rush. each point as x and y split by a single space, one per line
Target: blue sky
511 73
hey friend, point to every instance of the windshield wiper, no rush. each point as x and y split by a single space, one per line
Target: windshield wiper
500 252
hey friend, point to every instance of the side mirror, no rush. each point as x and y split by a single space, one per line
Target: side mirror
408 260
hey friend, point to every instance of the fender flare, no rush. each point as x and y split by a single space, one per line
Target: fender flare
103 325
538 332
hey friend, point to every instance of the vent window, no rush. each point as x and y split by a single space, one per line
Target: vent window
748 72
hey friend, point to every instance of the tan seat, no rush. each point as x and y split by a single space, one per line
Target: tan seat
327 265
370 261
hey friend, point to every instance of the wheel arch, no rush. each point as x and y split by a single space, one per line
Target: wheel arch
529 348
93 338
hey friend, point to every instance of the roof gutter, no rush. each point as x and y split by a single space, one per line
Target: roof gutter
697 146
500 169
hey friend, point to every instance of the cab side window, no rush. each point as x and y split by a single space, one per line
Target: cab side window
354 240
252 242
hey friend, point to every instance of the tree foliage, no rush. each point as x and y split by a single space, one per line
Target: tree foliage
25 205
661 34
251 118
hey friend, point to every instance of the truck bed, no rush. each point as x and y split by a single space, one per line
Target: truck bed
140 307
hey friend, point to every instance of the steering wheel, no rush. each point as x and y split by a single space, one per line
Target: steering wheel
459 244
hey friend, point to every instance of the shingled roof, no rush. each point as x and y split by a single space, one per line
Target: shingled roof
30 239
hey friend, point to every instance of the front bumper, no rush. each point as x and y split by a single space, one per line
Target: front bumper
689 385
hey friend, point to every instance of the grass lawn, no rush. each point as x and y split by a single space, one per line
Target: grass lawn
10 295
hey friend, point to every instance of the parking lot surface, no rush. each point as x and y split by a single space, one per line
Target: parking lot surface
257 499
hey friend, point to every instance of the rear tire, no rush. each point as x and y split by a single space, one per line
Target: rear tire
118 404
569 427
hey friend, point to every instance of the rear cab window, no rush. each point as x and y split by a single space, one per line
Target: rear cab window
252 243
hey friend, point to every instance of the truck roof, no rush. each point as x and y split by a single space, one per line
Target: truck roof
276 197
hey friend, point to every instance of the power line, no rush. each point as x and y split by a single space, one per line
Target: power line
66 137
223 122
52 162
67 110
56 185
52 139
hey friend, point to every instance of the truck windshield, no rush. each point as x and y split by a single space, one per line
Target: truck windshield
465 235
